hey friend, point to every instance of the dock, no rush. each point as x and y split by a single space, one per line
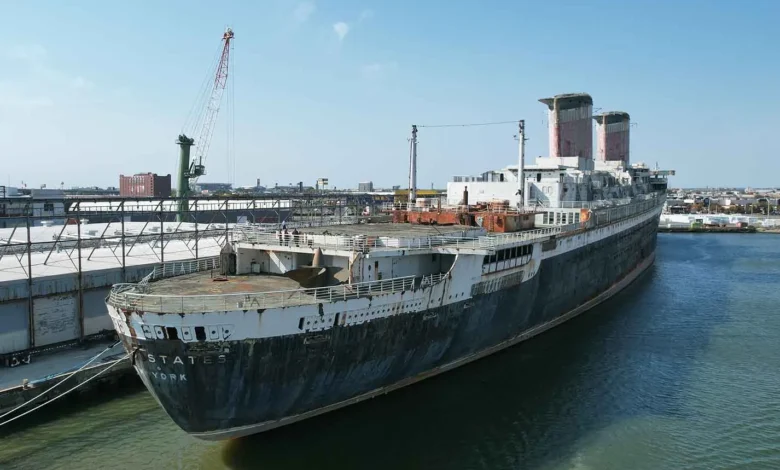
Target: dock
28 381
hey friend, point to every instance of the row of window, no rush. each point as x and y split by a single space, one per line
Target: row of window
508 253
561 218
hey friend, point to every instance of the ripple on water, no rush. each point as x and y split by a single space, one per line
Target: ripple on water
680 371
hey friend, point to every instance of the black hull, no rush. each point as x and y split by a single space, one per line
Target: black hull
241 387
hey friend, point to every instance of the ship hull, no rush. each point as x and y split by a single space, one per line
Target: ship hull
234 388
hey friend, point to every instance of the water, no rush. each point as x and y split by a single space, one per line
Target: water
680 371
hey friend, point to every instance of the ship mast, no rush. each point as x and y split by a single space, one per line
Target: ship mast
521 164
413 167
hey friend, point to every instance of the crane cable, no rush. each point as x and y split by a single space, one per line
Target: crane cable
194 118
117 361
60 382
230 103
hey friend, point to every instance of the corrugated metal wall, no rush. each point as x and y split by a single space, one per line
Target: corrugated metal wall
55 312
96 317
14 326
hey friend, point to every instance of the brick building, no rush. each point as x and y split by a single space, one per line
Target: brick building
145 185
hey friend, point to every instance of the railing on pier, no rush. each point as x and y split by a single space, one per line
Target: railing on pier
70 241
130 297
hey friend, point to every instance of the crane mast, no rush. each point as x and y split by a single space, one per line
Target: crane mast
190 171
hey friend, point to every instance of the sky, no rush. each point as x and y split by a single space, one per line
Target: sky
93 89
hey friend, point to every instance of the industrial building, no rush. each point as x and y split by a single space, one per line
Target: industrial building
213 187
38 203
145 185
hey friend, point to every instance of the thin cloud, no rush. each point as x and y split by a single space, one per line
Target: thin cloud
303 11
341 29
14 98
81 83
32 53
365 15
378 69
39 77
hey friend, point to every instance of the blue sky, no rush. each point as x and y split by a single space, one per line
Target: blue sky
92 89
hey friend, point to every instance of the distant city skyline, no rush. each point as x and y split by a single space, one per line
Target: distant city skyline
91 90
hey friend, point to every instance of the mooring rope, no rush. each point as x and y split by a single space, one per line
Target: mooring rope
67 392
61 381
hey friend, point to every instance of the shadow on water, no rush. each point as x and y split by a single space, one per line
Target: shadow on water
72 405
529 405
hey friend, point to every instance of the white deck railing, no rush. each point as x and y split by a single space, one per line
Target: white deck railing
178 268
363 243
130 297
343 242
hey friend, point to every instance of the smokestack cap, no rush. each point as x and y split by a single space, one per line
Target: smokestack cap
611 117
568 100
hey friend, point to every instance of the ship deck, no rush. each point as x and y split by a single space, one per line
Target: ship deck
374 236
205 283
387 230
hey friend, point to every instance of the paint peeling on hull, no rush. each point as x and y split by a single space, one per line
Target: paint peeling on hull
248 386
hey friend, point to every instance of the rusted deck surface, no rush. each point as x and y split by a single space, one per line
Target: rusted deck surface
386 230
202 283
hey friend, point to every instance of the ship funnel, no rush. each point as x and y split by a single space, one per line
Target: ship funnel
612 135
571 127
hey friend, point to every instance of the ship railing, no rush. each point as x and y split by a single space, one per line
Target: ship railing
493 241
610 215
494 207
127 296
432 279
179 268
541 205
344 242
303 221
364 243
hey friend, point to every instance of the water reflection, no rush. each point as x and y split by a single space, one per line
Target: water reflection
678 371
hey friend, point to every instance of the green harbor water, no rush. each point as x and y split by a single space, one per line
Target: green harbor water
680 371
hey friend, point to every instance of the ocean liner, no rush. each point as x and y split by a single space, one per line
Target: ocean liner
292 323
